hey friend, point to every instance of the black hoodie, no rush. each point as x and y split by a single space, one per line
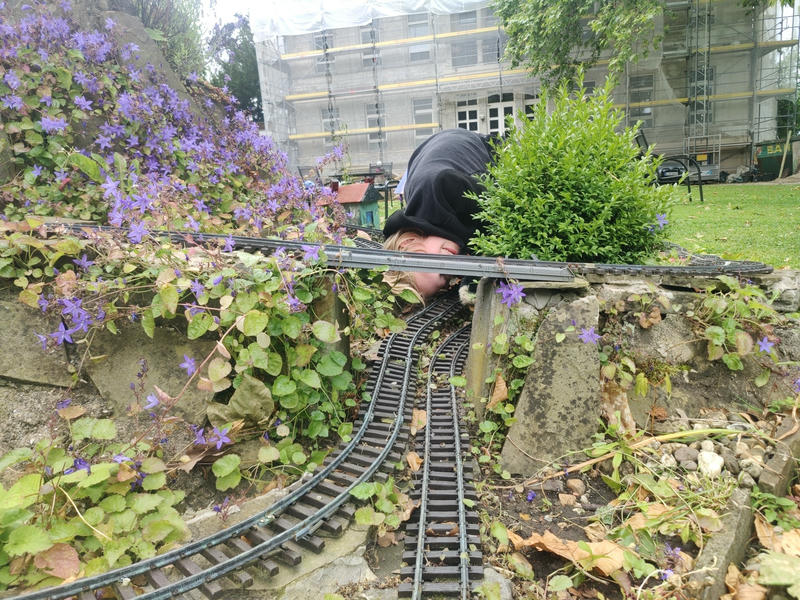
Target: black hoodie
440 171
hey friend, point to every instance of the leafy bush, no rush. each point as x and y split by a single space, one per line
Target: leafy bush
175 26
570 185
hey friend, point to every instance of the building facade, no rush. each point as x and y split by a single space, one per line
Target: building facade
722 84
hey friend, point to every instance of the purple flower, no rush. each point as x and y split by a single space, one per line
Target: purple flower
77 465
137 232
53 125
588 336
796 385
13 102
197 288
46 100
109 23
83 262
310 253
511 293
219 438
199 438
192 77
229 244
662 220
42 340
531 495
12 80
62 335
666 574
764 345
189 364
216 280
37 170
152 401
82 103
120 458
64 403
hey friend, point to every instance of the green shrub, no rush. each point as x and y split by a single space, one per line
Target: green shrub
570 185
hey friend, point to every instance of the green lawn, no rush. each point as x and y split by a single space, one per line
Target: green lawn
741 221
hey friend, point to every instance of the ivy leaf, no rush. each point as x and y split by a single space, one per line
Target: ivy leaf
761 379
268 454
283 386
328 367
715 334
199 325
27 539
254 322
559 583
363 490
218 369
325 331
291 326
154 481
169 298
87 166
60 560
458 381
229 481
499 531
17 455
732 361
104 429
310 378
148 323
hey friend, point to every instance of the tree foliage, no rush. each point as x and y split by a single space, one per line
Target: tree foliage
552 38
233 55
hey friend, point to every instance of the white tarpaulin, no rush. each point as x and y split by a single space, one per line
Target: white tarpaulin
287 17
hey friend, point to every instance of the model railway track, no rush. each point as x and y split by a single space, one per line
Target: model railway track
442 547
293 525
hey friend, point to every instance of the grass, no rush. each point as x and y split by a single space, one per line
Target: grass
742 222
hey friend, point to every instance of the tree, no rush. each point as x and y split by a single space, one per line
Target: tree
175 26
553 37
233 54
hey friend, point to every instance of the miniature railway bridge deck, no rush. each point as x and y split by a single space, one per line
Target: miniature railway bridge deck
442 550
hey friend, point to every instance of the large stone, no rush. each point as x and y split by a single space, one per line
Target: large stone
116 362
21 355
346 570
561 400
670 340
786 283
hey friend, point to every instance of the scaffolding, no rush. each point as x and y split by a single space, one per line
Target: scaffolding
721 84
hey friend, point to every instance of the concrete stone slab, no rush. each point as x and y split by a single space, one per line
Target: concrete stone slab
561 400
21 354
347 569
780 468
117 363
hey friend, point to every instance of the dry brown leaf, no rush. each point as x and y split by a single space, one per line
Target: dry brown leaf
766 534
73 411
610 554
659 413
615 406
790 540
60 560
750 591
414 461
515 539
525 516
126 473
453 531
500 393
387 539
419 418
732 578
595 532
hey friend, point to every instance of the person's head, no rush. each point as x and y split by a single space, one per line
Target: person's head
423 283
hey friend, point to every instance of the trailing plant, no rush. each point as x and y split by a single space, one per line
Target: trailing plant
570 184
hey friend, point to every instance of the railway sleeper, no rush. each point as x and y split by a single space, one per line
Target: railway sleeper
441 529
431 589
286 554
216 556
210 588
124 591
267 566
447 557
430 572
332 526
449 542
311 542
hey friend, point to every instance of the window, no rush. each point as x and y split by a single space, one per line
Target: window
464 53
371 56
500 107
531 100
375 112
463 21
330 118
640 89
323 41
491 50
466 115
418 25
423 113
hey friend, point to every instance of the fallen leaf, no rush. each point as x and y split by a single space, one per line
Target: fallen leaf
607 556
414 461
615 406
419 419
500 393
658 413
790 541
641 520
732 578
515 539
521 566
525 516
126 473
766 534
60 560
595 532
646 320
387 539
751 591
453 530
73 411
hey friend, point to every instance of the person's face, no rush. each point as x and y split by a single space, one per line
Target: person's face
429 284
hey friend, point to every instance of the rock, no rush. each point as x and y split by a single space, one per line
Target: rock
787 284
121 355
576 486
745 480
21 354
741 449
707 445
378 594
710 463
685 453
342 571
567 499
751 467
668 461
561 399
689 465
730 460
552 485
496 582
669 340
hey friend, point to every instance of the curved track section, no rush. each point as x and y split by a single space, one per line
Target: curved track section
443 545
281 533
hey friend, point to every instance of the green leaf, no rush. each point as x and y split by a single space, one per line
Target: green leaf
458 381
642 385
86 165
522 361
154 481
328 367
254 322
310 378
218 369
409 296
226 465
498 530
732 361
761 379
27 539
298 457
113 503
468 503
169 298
366 515
199 325
780 570
715 334
157 530
559 583
268 454
148 323
560 337
283 386
363 490
291 326
143 503
17 455
229 481
153 464
104 429
521 566
325 332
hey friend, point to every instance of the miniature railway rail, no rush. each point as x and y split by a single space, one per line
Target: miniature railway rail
442 547
366 255
282 532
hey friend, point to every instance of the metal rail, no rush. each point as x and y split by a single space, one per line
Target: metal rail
419 326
